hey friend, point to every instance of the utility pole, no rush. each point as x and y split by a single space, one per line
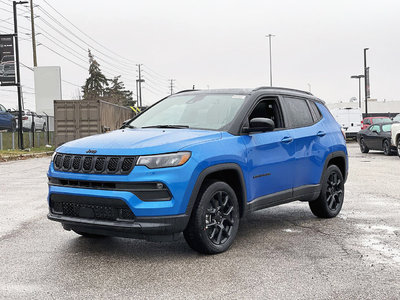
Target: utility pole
18 77
171 85
366 80
139 84
33 35
269 36
359 87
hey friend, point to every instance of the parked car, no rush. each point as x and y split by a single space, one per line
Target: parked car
396 133
7 66
350 119
376 137
7 120
27 121
198 161
374 120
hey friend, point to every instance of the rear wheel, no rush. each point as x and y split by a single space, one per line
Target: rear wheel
330 201
13 126
386 147
363 146
215 219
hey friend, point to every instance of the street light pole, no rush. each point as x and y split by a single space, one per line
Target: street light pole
366 80
359 87
269 36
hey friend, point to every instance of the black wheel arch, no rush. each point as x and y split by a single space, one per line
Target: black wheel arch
232 174
338 158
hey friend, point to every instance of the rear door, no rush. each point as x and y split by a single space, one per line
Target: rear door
310 141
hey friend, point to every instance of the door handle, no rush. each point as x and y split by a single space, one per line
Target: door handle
287 139
321 133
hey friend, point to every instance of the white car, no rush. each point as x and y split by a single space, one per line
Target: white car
396 133
27 124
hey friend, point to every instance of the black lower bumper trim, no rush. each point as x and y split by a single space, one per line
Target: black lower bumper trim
150 228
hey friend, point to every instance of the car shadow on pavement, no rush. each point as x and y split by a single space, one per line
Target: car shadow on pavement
253 229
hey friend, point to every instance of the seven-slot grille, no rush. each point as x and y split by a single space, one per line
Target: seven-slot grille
94 164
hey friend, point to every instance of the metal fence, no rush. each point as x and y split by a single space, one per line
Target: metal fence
9 140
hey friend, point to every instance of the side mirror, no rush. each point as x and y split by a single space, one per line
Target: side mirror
124 123
375 131
9 110
259 125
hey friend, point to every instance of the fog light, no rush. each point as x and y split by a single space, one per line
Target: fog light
160 186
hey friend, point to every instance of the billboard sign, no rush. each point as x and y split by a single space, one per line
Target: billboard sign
7 60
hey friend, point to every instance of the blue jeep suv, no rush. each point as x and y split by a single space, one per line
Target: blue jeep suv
197 162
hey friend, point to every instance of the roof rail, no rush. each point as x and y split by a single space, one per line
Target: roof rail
281 88
183 91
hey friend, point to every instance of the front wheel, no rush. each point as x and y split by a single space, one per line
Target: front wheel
363 146
214 222
386 147
398 147
330 201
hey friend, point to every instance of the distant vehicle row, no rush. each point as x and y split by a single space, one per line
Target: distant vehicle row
382 134
9 120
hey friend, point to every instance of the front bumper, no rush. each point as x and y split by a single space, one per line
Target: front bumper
149 228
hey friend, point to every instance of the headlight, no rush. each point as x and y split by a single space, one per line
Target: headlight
164 160
54 155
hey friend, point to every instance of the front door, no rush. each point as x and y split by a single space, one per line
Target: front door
270 154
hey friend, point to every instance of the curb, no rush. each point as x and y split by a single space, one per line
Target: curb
25 156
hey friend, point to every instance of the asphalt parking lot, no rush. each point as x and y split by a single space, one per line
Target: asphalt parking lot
282 252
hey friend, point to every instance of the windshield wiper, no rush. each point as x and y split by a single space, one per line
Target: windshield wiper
166 126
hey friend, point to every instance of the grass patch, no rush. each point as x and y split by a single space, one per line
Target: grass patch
17 152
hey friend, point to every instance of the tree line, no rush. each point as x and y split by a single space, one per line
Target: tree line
99 87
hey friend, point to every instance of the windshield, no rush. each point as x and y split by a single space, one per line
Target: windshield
381 120
201 111
7 58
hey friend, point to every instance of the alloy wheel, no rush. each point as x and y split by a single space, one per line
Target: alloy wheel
334 191
219 218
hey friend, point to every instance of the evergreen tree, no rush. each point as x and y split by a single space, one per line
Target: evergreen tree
117 94
96 84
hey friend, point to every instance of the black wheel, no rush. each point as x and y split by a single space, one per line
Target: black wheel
89 235
386 148
214 222
330 201
398 147
44 127
363 147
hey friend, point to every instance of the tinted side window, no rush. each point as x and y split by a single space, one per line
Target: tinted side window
316 112
298 112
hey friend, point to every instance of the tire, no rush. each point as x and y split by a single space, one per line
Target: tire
363 147
386 148
215 218
398 147
88 235
44 127
330 201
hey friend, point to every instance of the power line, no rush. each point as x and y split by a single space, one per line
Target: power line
101 45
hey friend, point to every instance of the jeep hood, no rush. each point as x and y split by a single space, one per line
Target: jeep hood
139 141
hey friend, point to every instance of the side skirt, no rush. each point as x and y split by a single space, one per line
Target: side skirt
302 193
